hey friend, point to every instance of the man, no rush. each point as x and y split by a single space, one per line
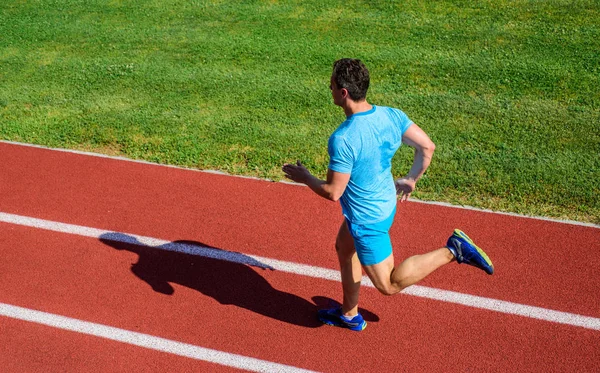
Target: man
359 175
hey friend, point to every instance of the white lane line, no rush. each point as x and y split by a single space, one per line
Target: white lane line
119 158
145 340
587 322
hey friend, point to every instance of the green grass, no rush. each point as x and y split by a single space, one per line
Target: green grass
508 90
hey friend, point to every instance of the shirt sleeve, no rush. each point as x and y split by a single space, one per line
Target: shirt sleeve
402 120
341 158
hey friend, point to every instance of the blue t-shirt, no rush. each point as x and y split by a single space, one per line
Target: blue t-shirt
363 146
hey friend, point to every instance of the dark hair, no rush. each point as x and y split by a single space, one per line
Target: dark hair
353 75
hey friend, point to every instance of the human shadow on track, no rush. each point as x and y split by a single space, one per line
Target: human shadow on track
223 275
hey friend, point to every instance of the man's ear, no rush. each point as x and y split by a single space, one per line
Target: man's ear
345 93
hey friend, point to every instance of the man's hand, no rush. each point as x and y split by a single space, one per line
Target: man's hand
404 187
296 172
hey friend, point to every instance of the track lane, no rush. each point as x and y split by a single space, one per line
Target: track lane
198 249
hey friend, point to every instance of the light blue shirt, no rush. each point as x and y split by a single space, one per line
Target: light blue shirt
363 146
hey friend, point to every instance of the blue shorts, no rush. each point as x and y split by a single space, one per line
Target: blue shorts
372 241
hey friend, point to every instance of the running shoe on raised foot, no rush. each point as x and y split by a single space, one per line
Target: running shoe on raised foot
334 317
465 251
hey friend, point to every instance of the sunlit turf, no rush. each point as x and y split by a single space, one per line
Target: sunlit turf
508 90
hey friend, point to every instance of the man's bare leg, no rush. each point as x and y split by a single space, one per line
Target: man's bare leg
389 280
350 270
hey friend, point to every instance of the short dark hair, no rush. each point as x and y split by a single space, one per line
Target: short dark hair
353 75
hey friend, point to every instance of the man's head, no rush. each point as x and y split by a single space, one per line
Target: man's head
350 75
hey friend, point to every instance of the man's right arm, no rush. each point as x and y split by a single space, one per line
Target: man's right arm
331 189
416 138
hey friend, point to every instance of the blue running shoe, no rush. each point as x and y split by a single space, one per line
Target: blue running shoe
334 317
465 251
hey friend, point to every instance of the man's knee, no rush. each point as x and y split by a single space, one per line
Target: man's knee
387 289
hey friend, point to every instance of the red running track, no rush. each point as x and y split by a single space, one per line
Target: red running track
261 313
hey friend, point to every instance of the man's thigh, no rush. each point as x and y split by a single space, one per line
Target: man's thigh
344 243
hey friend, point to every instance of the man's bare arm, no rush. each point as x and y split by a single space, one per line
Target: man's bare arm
416 138
331 189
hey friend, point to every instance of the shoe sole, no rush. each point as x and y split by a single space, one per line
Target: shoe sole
464 236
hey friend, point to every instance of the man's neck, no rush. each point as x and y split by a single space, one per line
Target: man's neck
354 107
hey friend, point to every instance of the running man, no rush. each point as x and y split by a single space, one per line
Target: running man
360 177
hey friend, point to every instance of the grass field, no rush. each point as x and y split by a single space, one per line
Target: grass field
508 90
